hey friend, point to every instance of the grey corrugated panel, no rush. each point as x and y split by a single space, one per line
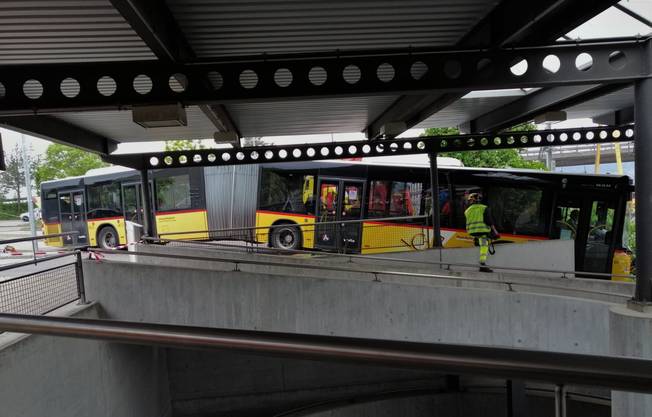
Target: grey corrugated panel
221 27
225 208
118 125
304 117
606 104
52 31
464 110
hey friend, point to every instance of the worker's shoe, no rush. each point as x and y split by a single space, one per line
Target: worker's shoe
485 268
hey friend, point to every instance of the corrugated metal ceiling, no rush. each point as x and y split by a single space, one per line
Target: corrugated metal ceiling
464 110
305 117
226 27
606 104
33 31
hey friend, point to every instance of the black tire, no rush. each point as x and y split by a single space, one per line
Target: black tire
108 238
25 218
286 236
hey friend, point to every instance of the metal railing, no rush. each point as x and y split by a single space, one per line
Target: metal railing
26 288
343 236
375 274
418 238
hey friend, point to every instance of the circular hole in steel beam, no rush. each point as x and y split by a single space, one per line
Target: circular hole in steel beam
269 154
443 143
519 67
590 135
550 137
196 158
617 60
216 80
33 89
421 145
351 74
317 76
153 161
484 141
353 149
577 136
240 156
524 139
283 77
616 134
248 79
106 86
142 84
583 61
511 140
452 69
551 64
407 146
563 137
536 138
418 70
226 156
282 154
385 72
168 160
470 142
310 152
393 147
380 148
629 133
497 141
296 153
183 159
603 134
211 157
178 82
324 151
70 87
339 150
254 155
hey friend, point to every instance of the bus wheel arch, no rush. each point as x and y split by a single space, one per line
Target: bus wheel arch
285 235
107 237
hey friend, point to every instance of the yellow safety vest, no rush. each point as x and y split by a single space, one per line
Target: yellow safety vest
475 219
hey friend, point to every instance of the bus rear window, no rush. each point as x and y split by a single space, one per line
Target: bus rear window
173 193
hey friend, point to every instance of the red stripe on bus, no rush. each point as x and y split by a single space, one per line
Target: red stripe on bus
106 218
168 213
280 213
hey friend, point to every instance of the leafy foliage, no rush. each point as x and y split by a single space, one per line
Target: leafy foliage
183 145
12 181
63 161
498 158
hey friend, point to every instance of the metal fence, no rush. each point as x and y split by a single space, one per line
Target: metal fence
41 285
393 234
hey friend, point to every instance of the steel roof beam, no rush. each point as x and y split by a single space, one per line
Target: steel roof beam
510 22
57 130
388 147
534 104
153 21
363 74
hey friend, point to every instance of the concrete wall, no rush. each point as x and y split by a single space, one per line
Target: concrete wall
382 310
61 377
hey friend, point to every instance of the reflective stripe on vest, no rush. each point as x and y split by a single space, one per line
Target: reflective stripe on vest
475 219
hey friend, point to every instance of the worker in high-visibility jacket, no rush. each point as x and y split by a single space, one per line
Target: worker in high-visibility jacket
480 225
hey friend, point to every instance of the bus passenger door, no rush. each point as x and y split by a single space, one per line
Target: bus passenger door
131 196
599 236
72 211
339 201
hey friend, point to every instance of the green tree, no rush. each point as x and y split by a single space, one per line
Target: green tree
498 158
12 180
63 161
183 145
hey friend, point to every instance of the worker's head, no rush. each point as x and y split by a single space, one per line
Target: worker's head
474 198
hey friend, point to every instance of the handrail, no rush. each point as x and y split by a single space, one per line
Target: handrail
33 238
375 273
382 219
564 274
618 373
36 261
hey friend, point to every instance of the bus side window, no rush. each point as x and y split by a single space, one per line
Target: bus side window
460 203
378 199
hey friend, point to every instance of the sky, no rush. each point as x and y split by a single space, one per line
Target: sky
610 23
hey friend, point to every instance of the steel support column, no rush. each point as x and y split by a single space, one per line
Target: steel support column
643 171
516 401
148 217
434 205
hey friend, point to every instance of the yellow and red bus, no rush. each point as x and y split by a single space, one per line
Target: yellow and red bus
373 202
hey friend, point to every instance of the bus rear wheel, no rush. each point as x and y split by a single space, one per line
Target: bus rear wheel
107 238
286 236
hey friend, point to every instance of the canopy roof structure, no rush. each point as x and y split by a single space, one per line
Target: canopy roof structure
73 71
